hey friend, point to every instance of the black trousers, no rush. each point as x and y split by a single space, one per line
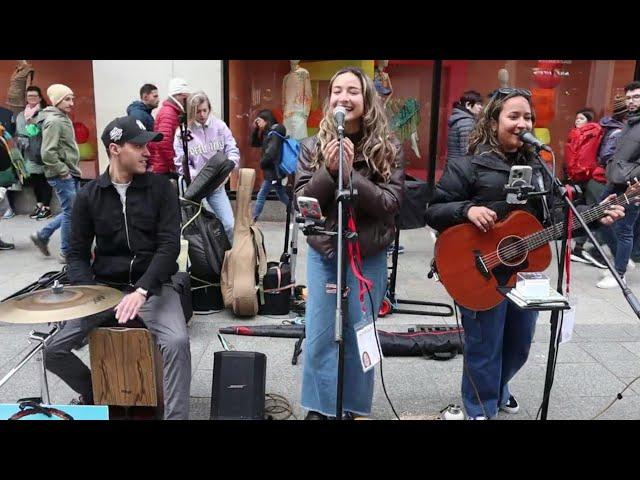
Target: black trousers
41 188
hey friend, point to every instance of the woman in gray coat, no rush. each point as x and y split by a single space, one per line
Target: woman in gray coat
461 122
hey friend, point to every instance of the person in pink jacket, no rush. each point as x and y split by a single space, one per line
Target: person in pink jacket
167 122
208 136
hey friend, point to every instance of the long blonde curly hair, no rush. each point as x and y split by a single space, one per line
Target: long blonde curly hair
376 146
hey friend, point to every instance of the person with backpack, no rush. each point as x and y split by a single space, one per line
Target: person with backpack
374 163
29 138
612 128
582 168
269 134
207 135
461 123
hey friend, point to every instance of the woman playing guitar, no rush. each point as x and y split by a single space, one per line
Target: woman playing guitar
472 190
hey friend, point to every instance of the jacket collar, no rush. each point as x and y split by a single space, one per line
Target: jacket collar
139 181
490 159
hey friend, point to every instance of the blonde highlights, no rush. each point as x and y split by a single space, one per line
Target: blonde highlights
376 147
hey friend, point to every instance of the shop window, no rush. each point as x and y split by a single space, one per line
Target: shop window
77 75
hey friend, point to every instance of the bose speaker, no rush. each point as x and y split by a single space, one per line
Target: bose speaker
238 389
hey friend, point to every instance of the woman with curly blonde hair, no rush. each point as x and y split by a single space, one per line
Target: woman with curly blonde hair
374 165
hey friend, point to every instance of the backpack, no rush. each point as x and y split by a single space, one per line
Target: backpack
34 147
581 152
288 155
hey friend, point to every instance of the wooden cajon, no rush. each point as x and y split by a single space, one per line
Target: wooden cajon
126 367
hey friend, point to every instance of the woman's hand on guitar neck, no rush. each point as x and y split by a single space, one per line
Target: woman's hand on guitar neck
482 217
614 212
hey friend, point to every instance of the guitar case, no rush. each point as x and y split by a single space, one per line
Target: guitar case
245 265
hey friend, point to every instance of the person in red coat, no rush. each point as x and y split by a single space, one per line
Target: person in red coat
583 169
167 121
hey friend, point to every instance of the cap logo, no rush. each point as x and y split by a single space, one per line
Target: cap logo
115 134
140 124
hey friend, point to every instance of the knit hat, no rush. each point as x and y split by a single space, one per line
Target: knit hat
619 107
178 86
57 92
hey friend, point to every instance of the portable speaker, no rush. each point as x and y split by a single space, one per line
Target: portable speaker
238 389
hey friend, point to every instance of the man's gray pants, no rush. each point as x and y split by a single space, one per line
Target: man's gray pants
164 317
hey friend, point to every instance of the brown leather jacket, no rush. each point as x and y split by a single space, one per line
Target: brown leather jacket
376 206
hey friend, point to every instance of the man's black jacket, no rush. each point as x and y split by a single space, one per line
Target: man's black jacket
137 246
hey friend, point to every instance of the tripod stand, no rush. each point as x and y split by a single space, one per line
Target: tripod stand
391 292
42 339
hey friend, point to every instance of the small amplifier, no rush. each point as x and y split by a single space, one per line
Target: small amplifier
238 390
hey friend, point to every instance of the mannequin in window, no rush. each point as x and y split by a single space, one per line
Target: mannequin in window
296 100
21 78
382 81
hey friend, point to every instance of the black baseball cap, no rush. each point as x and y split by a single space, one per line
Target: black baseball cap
128 130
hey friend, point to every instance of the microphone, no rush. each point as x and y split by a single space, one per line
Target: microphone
338 115
530 138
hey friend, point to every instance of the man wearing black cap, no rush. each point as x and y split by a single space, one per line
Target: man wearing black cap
134 218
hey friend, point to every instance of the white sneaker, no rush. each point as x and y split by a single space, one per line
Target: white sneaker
631 265
593 261
608 281
479 417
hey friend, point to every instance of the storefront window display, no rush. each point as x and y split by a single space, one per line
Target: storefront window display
559 88
78 75
295 90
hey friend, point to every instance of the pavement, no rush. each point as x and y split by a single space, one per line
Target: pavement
602 357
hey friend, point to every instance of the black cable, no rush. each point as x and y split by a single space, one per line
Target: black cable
278 405
374 315
618 397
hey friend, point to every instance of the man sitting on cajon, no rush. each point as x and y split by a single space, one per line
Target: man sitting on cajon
134 217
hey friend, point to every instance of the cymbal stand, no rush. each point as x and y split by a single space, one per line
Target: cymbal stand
42 339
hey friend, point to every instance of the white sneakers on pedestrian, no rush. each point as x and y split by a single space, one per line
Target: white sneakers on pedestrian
608 281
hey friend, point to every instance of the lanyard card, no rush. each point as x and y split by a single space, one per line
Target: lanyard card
367 344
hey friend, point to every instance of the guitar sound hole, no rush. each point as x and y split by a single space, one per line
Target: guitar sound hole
512 251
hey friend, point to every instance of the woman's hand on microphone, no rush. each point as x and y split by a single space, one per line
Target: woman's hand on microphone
331 154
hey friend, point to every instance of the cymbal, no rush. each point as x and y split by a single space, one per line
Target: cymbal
46 306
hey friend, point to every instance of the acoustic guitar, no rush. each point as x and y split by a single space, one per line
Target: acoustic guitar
471 264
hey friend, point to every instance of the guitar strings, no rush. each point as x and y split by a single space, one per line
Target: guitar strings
515 249
521 247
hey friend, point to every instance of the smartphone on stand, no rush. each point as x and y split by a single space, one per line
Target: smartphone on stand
309 208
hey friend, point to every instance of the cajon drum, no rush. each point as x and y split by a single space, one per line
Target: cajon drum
126 367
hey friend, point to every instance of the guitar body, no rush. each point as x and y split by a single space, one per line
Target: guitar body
458 251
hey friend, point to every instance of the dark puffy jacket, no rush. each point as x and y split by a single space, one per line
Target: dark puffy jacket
142 112
271 151
626 158
375 208
162 154
138 248
478 180
612 130
461 123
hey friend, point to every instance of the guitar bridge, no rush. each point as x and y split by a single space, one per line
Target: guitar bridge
480 265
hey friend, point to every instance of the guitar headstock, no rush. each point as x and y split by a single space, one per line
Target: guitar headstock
633 190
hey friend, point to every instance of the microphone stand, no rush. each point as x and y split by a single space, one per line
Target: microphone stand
628 294
344 198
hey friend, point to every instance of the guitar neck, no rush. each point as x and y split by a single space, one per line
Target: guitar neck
554 232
